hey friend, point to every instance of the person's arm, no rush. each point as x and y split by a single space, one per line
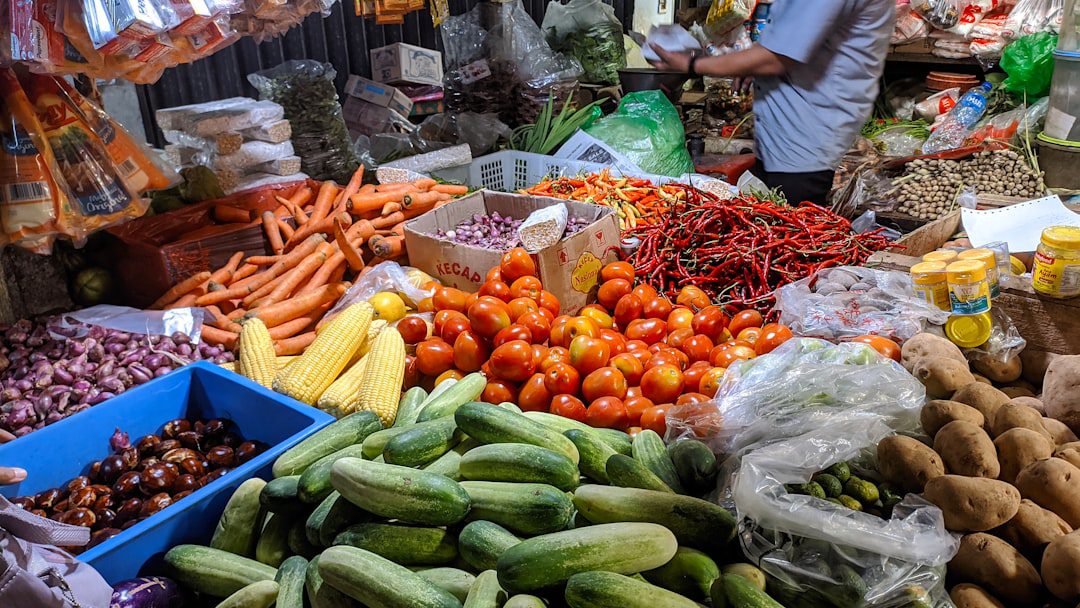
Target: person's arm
9 475
754 61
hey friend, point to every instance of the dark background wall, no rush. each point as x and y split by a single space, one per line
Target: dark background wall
341 39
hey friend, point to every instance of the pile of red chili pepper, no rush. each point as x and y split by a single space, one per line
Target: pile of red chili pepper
739 250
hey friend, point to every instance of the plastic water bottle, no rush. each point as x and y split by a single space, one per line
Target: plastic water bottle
960 121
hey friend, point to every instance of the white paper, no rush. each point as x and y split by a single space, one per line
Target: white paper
672 38
586 148
1019 225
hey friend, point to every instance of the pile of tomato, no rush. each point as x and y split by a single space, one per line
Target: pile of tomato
619 363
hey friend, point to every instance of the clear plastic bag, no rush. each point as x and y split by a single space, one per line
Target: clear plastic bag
725 15
1004 343
543 228
385 276
588 31
941 14
187 321
910 26
646 128
849 301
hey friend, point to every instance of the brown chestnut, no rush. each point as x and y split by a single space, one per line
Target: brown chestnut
166 445
105 517
147 462
131 522
231 439
104 501
101 489
47 500
39 512
56 515
61 506
172 466
154 504
185 483
130 508
215 475
179 454
112 467
180 495
158 478
25 503
102 535
128 484
199 427
221 456
190 440
130 457
194 466
84 498
147 445
95 472
246 451
78 483
216 427
175 427
79 517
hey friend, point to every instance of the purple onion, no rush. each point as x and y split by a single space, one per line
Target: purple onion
43 405
53 417
36 356
119 440
44 380
140 373
63 401
155 361
184 350
76 349
112 383
115 348
96 332
22 430
24 385
81 385
161 371
62 376
102 396
56 390
180 338
10 394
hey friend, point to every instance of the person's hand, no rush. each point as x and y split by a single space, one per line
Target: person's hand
742 84
10 475
678 62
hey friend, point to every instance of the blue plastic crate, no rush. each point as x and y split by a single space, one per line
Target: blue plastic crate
64 450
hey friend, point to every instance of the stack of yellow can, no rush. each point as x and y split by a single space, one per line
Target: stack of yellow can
963 283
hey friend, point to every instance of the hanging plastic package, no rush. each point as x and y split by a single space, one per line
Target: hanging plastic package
588 31
726 15
1029 62
646 128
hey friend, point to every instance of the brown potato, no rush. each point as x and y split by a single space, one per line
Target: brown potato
998 371
926 346
1069 452
967 595
1032 528
908 463
967 450
1013 415
995 565
972 504
1061 390
1035 363
981 378
939 412
1053 484
1061 567
1032 402
1017 391
943 376
1019 447
1059 432
982 397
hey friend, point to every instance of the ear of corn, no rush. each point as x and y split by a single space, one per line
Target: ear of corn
279 364
380 386
257 353
343 396
376 326
306 378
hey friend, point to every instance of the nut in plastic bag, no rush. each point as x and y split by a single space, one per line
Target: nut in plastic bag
543 228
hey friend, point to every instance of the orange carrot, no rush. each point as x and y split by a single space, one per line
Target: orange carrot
234 262
338 273
297 275
362 229
185 301
388 220
353 186
398 230
251 300
290 328
365 203
326 225
246 287
219 337
180 289
322 275
389 208
451 189
352 256
263 260
420 199
279 312
273 234
294 345
424 183
228 214
301 197
323 204
236 314
387 247
243 272
228 307
221 321
298 214
366 189
285 228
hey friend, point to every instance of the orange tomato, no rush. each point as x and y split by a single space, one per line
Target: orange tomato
520 306
534 395
598 315
568 406
511 332
496 289
635 345
617 270
710 382
744 319
738 342
677 337
615 340
589 354
434 356
555 354
884 346
710 321
641 354
557 335
488 316
680 318
470 351
635 406
656 308
627 309
495 274
693 374
728 354
631 368
633 391
443 316
499 391
537 324
549 301
513 361
692 297
604 382
515 264
526 287
412 329
471 299
662 384
655 419
689 398
666 357
607 413
547 314
562 378
644 291
450 374
704 419
425 305
449 298
697 348
649 331
580 326
610 291
749 334
772 335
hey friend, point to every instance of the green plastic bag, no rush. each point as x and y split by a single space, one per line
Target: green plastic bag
1029 62
647 130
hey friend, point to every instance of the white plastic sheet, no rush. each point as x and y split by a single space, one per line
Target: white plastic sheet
187 321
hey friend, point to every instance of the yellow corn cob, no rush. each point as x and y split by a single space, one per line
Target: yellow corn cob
230 366
373 330
257 353
380 387
313 372
343 396
279 364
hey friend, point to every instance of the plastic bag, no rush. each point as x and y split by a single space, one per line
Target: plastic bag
1030 17
937 104
543 228
941 14
910 26
810 545
1029 62
588 31
726 15
850 301
1005 342
385 276
305 89
802 385
187 321
646 128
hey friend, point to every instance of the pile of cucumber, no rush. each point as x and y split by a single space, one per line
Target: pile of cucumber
837 484
462 503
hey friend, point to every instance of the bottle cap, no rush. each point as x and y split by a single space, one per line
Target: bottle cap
941 255
969 331
1064 237
966 271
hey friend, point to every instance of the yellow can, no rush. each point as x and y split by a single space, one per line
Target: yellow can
929 282
989 259
947 256
969 291
1056 270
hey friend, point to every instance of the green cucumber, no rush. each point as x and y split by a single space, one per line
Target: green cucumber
625 472
618 440
410 405
422 443
560 424
525 508
524 600
376 442
649 450
279 495
273 545
448 464
262 594
690 573
467 444
748 571
506 405
695 522
695 465
447 402
350 430
594 453
456 581
402 493
214 572
321 595
405 545
611 590
545 561
314 484
290 579
298 542
332 515
485 591
740 592
238 528
491 424
482 542
519 462
377 581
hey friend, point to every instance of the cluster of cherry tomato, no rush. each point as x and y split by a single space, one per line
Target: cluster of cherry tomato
619 363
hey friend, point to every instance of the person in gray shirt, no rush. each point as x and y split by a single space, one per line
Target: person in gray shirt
816 71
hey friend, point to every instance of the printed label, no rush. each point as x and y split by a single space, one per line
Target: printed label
585 273
475 71
969 299
454 269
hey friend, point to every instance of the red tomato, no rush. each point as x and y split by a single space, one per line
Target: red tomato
610 291
630 367
738 342
526 287
649 331
547 314
568 406
448 298
727 355
693 374
680 318
697 348
635 406
627 309
772 335
537 324
662 384
540 353
597 315
450 374
513 361
470 351
520 306
665 357
711 381
607 413
704 419
676 338
615 341
496 289
561 377
512 332
656 308
471 299
655 419
641 354
549 301
499 391
412 329
884 346
744 319
515 264
534 396
749 334
555 354
633 391
488 316
604 382
495 274
644 291
689 398
589 354
692 297
635 345
557 335
445 316
710 321
572 328
433 357
412 375
617 270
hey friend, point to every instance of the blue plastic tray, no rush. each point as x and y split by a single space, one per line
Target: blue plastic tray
59 452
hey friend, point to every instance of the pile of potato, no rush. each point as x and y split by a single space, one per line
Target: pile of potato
1004 469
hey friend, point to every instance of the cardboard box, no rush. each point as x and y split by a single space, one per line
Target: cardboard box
378 94
570 269
404 63
920 46
363 118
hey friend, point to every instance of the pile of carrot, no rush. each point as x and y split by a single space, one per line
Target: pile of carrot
337 234
635 201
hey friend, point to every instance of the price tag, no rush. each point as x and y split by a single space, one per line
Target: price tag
477 70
